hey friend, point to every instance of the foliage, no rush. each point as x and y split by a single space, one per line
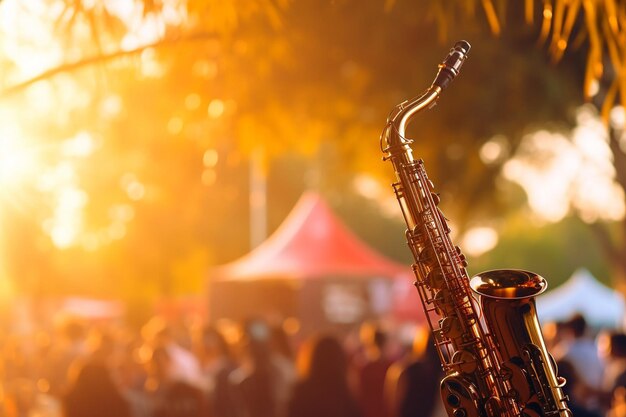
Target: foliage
582 27
554 250
179 95
599 27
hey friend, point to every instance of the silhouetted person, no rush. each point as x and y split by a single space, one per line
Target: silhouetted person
217 363
184 365
575 390
371 369
322 389
260 384
170 393
68 347
612 346
93 394
182 399
618 403
579 349
413 381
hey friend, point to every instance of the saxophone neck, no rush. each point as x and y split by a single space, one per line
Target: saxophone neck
402 114
393 141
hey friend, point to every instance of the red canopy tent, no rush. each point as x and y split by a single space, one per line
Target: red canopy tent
311 246
311 243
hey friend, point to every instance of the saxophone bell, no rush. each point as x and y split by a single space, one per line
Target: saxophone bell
507 300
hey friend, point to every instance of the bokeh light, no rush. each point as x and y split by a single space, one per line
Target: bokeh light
479 240
562 173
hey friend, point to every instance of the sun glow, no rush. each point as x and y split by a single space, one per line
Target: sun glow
19 161
15 163
26 27
45 181
29 182
43 173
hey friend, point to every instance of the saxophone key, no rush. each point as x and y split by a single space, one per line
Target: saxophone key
515 374
443 303
460 397
416 235
443 221
461 256
436 279
464 361
493 407
427 256
451 327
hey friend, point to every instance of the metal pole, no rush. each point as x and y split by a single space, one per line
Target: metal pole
258 198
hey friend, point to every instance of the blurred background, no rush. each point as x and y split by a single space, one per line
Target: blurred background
145 143
149 148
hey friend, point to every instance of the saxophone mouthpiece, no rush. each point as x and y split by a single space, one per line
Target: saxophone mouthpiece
451 66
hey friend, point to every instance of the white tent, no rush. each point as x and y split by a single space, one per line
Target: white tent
582 293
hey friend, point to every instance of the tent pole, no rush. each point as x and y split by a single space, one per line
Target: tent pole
258 198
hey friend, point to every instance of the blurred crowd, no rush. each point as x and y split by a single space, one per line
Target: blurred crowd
593 363
249 369
256 369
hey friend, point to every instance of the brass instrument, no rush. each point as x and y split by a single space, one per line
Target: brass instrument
485 329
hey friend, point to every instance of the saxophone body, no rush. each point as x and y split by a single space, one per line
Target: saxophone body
485 329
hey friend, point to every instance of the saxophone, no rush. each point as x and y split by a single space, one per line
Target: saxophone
485 329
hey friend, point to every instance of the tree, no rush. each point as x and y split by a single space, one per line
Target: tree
175 97
598 28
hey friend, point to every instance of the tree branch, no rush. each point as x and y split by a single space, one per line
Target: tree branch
616 261
619 156
606 243
619 162
72 66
